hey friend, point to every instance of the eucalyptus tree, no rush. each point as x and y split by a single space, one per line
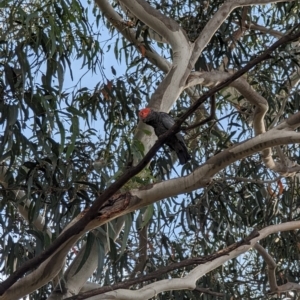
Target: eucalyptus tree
90 209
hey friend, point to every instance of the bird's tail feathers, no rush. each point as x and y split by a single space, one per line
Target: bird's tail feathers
183 156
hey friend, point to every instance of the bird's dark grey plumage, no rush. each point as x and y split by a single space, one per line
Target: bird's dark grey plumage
162 122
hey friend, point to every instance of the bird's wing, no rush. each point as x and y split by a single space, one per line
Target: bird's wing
166 120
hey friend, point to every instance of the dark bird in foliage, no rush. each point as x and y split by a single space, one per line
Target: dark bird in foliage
162 122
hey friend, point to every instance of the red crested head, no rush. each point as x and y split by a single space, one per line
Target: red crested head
143 113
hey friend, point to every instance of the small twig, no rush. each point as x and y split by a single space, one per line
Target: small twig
208 291
211 117
255 26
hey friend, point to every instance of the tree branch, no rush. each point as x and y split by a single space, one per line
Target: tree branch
189 281
275 289
217 20
142 259
162 271
164 26
93 212
73 280
285 167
